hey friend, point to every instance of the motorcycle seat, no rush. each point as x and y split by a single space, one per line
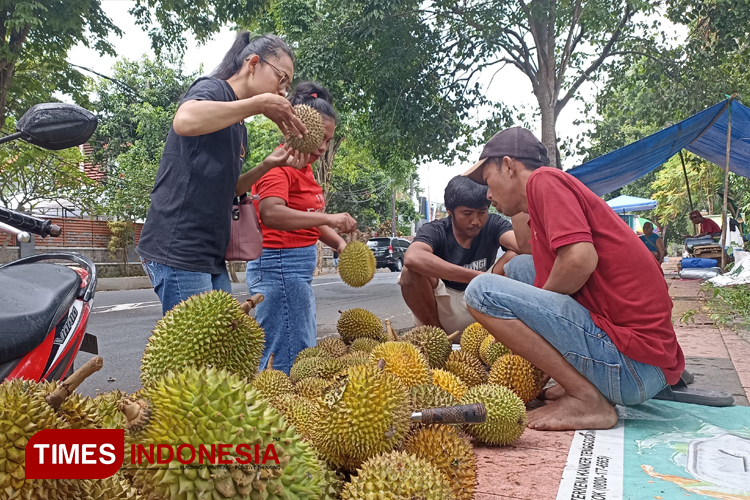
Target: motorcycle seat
33 299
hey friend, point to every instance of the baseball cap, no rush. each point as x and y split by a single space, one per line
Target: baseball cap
516 142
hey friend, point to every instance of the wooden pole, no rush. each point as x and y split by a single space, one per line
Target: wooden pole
687 182
724 227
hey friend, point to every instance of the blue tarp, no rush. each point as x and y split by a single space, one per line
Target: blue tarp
625 203
696 134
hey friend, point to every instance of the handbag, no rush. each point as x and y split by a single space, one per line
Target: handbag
246 238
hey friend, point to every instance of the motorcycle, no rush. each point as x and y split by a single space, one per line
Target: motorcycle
45 299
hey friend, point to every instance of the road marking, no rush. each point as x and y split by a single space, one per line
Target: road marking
155 303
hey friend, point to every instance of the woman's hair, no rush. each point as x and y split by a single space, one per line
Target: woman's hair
248 43
464 192
316 96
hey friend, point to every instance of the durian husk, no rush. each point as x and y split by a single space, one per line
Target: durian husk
360 323
363 413
517 374
324 368
449 383
466 367
506 414
312 352
111 488
433 342
430 396
311 141
209 329
334 346
404 361
398 476
311 387
106 406
472 337
356 264
493 352
272 383
364 345
453 455
297 410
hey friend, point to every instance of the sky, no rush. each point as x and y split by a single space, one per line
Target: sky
509 86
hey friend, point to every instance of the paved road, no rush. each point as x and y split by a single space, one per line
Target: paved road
122 322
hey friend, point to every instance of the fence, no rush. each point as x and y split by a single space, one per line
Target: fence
79 233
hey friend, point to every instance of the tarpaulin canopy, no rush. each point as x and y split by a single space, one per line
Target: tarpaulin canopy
625 203
704 134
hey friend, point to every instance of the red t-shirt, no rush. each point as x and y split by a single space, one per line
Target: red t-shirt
300 192
626 294
709 226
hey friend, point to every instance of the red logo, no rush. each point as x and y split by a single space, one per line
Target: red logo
75 453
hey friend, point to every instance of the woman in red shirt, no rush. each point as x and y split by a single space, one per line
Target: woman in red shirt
293 219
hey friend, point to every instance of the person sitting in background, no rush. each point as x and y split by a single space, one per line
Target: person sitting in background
708 227
448 253
653 242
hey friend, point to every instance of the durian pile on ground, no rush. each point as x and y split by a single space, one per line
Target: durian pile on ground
341 422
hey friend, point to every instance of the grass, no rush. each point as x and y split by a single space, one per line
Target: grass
726 306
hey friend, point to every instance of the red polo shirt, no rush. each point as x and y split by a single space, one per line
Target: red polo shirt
300 191
626 294
709 226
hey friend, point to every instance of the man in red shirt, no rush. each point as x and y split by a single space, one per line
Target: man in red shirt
708 227
600 330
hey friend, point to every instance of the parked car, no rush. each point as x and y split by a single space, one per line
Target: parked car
389 252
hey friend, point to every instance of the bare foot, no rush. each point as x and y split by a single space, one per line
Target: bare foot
552 393
569 413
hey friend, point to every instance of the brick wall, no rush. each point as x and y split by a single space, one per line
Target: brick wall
79 233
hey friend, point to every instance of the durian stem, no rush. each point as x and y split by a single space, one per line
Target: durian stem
65 389
453 336
269 366
252 303
130 409
391 333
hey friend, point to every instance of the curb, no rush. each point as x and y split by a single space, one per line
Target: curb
133 283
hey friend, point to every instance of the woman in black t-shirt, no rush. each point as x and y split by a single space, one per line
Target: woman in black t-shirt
186 234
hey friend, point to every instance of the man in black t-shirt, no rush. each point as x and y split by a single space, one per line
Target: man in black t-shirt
446 254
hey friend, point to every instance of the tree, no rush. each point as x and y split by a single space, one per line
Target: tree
409 66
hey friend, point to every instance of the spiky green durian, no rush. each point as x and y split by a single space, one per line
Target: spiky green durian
403 360
209 329
506 414
364 412
365 345
491 350
472 337
449 383
433 342
207 406
311 387
334 346
398 476
360 323
518 375
106 406
313 120
272 383
315 367
312 352
356 264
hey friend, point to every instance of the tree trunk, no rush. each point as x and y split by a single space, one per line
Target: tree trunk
394 222
549 138
232 273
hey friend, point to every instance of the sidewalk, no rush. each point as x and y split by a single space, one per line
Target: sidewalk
532 467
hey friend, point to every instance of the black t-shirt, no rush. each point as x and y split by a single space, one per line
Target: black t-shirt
482 254
189 221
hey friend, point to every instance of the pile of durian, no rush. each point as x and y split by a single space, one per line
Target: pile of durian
341 422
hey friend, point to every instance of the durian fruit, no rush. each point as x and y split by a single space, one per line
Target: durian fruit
334 346
312 140
312 352
433 342
297 410
356 358
315 367
506 414
206 329
77 412
334 482
359 323
111 488
430 396
472 337
356 264
517 374
466 367
403 360
311 387
203 406
364 412
491 350
450 452
449 383
272 383
106 406
24 412
398 476
365 345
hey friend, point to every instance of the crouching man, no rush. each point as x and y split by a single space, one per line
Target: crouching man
448 253
597 316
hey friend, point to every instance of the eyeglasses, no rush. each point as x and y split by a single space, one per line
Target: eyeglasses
284 81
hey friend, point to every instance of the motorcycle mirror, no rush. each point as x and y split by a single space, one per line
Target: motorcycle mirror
56 125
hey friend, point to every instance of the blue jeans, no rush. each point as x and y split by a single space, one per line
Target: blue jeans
287 313
568 326
174 285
